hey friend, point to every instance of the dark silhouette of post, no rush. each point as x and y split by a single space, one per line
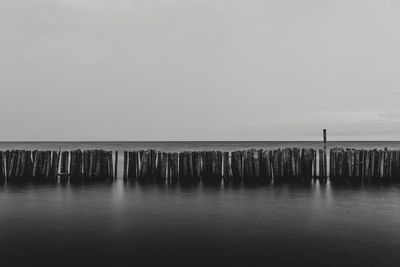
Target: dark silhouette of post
325 154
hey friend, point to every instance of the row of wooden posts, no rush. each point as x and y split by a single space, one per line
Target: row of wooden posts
76 165
215 166
254 165
370 165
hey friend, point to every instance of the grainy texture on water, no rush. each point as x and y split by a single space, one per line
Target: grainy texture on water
117 224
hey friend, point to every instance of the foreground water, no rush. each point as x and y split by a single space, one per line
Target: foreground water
116 224
121 224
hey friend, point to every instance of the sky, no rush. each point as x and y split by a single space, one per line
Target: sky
199 70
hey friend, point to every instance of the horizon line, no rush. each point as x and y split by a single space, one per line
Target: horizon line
172 141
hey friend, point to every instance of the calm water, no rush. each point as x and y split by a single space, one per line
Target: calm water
122 224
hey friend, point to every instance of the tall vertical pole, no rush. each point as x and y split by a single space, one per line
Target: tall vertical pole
325 155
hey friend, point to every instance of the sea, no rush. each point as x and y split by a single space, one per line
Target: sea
130 224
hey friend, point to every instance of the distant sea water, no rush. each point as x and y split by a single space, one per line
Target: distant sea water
196 145
128 224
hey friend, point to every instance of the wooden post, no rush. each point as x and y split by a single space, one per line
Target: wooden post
18 164
7 162
321 163
390 164
190 165
98 163
292 163
91 164
280 162
175 167
170 169
86 158
298 162
34 163
73 165
164 166
153 165
54 165
227 167
372 164
42 164
136 164
197 164
339 169
130 165
64 165
145 165
381 163
182 166
235 165
395 170
367 164
324 173
116 165
13 162
110 165
125 175
256 164
275 164
356 163
2 167
28 164
103 165
213 165
268 169
79 163
47 164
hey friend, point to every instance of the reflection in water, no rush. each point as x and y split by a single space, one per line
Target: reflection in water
286 224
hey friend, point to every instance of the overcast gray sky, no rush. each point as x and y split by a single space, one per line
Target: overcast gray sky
199 69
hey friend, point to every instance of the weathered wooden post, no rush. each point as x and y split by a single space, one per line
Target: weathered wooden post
13 164
7 162
183 166
98 163
145 165
170 167
110 165
356 163
125 176
324 172
153 164
54 164
91 160
175 164
116 165
103 164
131 165
48 165
227 167
235 162
372 170
268 164
2 167
197 164
64 165
79 164
73 165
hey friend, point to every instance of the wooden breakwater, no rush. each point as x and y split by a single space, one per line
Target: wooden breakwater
76 165
364 165
254 165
